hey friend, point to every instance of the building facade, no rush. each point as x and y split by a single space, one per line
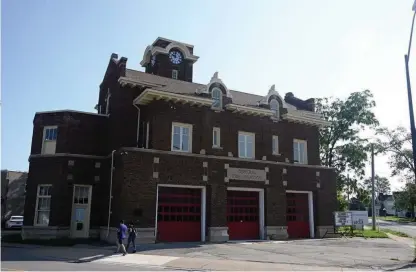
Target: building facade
184 161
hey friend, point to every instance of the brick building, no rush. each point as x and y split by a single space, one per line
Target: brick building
184 161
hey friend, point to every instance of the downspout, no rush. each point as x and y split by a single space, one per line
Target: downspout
138 124
111 192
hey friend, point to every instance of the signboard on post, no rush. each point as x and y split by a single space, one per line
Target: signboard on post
343 219
359 219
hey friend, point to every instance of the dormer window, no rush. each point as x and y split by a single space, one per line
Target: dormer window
217 98
274 106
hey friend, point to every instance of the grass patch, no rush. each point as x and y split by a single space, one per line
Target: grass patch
366 233
62 242
396 219
397 233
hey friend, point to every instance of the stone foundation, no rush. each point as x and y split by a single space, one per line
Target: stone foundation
37 232
144 235
218 234
276 233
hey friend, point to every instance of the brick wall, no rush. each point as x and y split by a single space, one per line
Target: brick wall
55 171
136 188
161 115
78 133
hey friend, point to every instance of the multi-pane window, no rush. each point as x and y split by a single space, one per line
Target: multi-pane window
50 135
43 205
300 154
275 145
181 137
81 194
274 106
216 97
246 145
216 139
175 74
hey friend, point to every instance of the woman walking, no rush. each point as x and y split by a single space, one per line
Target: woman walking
132 237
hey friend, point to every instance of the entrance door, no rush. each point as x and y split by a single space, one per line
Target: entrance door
297 215
243 215
179 214
80 222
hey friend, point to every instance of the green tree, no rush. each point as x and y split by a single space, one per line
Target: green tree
406 199
341 146
342 202
397 143
381 185
363 195
350 186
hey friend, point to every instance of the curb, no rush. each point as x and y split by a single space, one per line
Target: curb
399 267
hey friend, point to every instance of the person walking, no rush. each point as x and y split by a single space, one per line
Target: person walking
121 235
132 237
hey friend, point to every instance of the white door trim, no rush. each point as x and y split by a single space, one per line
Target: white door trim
310 204
203 204
261 204
88 214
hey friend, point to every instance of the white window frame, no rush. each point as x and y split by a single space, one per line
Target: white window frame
175 74
253 147
305 151
218 131
37 203
275 111
182 125
216 89
44 137
275 151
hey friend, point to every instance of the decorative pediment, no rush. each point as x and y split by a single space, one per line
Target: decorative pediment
270 95
152 50
215 81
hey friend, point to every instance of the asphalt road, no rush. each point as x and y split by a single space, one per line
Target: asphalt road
23 259
409 229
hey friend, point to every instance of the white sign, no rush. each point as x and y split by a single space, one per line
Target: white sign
246 174
359 219
343 219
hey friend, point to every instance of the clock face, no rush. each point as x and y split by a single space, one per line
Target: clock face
153 61
175 57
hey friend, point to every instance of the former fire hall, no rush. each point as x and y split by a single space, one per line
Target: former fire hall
184 161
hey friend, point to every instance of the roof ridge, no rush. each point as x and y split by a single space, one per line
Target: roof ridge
187 82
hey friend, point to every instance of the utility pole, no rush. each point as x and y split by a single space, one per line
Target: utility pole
373 202
409 91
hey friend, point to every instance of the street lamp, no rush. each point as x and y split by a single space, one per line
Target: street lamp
409 92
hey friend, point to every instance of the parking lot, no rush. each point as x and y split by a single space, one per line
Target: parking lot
356 253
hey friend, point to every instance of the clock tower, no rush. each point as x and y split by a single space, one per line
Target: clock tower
170 59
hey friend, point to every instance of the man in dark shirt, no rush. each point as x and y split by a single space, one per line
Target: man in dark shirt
121 236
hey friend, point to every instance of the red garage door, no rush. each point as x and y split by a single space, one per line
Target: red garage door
179 214
297 215
243 215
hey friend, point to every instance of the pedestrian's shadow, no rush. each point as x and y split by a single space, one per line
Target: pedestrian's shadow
147 249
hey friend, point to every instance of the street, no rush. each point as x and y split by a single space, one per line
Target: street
335 254
407 228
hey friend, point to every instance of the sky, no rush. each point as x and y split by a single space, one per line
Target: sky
54 53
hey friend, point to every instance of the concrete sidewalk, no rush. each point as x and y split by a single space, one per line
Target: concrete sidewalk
200 264
403 240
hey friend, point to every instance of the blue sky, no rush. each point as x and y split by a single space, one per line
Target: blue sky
54 53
